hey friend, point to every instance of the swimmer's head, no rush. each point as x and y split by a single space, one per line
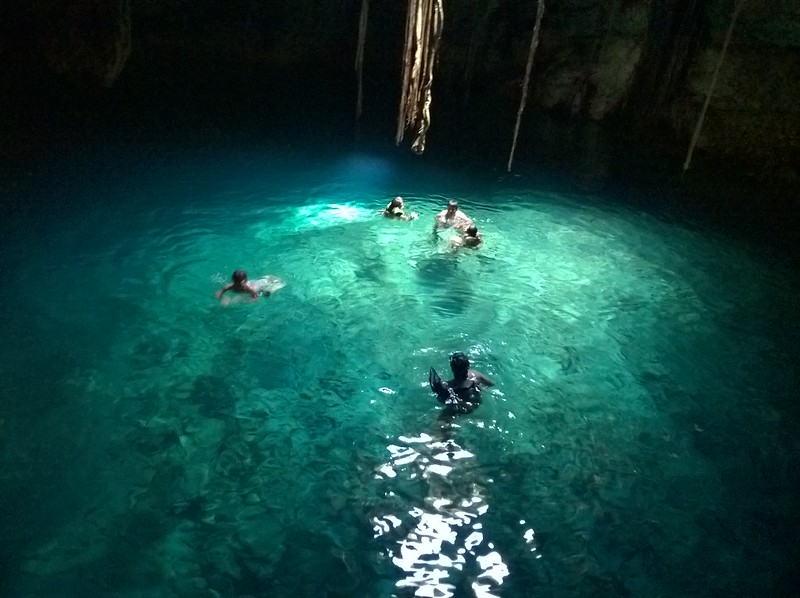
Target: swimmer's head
472 231
239 277
397 202
452 207
459 364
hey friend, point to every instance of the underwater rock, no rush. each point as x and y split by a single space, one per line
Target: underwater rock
252 499
213 395
152 441
336 572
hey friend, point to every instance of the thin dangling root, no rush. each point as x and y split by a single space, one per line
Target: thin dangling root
534 42
362 34
698 127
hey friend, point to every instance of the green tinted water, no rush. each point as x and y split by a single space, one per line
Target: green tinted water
156 443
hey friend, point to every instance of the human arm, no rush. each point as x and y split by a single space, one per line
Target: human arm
223 290
443 391
481 379
252 291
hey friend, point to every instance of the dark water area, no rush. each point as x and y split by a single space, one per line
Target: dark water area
201 99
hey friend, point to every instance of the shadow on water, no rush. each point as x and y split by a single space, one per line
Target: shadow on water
373 270
437 272
445 285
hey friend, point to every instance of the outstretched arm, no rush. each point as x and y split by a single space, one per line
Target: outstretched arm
223 290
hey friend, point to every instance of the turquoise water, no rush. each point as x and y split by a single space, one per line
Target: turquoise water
640 439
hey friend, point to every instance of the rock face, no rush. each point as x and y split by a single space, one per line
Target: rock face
652 63
590 71
645 63
88 41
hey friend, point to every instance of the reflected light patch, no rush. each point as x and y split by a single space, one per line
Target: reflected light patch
441 470
421 438
445 545
333 214
493 567
387 471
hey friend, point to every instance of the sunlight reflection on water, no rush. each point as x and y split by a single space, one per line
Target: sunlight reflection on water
442 541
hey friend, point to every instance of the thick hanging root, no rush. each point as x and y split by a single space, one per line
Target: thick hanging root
423 32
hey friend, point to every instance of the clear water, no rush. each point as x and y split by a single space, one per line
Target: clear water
640 440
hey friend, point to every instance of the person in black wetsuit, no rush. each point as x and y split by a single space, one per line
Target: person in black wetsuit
462 393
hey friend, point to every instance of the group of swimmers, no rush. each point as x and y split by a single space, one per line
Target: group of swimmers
450 217
460 394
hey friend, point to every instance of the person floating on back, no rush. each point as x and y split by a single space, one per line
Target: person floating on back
265 286
452 217
395 209
462 393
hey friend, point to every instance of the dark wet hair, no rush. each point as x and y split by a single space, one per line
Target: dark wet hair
239 276
472 231
459 364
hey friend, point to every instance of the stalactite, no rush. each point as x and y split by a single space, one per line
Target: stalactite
362 34
531 53
423 32
698 127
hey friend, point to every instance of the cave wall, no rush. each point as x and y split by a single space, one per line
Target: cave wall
647 65
754 114
86 41
641 64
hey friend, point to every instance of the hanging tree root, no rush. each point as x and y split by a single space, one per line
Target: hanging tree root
423 33
362 34
698 127
534 42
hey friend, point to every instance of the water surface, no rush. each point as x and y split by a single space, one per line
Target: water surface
640 439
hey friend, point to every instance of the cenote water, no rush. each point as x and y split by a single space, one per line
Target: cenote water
640 439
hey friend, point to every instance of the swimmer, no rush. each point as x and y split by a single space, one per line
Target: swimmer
394 209
452 217
471 238
265 286
239 284
462 393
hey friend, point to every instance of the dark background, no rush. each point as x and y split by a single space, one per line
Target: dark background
614 97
